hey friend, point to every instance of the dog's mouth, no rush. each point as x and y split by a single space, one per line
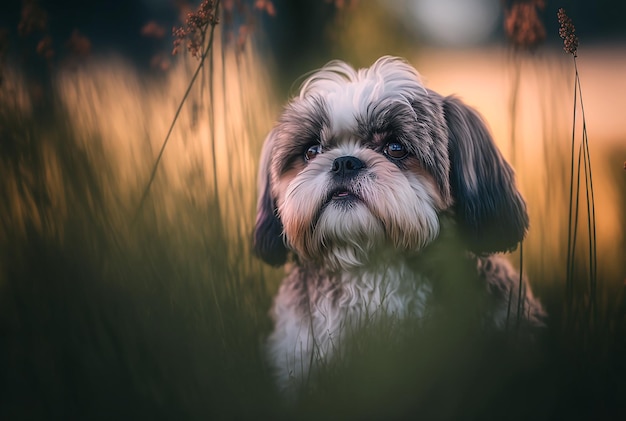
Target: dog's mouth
342 195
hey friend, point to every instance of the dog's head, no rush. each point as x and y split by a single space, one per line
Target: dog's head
368 159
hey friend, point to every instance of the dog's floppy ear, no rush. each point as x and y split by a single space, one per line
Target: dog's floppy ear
489 209
268 230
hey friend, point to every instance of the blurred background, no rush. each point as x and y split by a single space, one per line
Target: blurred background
127 285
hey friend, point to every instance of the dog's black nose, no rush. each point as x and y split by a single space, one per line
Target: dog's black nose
347 166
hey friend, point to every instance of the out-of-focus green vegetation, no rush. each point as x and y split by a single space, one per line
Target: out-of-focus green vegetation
165 317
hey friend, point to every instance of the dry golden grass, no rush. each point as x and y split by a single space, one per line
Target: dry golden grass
166 316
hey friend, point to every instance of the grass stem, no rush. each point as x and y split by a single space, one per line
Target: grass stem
155 167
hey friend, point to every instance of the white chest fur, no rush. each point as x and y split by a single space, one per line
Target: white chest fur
313 313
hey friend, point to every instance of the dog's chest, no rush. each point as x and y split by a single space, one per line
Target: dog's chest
385 290
315 311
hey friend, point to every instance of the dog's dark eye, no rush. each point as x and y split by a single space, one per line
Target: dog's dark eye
395 150
312 152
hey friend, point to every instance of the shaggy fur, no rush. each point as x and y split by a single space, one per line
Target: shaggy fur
377 191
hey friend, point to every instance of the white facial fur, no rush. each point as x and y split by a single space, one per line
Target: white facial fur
381 85
397 201
356 113
394 207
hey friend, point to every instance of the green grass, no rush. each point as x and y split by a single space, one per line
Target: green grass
164 318
143 322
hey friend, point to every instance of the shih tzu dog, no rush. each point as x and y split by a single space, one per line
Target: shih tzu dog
384 199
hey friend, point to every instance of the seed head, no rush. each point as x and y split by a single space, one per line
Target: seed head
522 24
265 6
33 18
195 28
44 47
78 44
567 32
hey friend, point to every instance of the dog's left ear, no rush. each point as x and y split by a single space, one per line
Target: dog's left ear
489 209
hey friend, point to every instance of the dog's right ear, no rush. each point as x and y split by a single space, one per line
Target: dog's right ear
268 231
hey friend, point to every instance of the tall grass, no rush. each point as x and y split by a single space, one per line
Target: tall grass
575 186
104 317
165 318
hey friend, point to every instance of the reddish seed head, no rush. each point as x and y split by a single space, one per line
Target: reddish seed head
195 28
522 24
567 32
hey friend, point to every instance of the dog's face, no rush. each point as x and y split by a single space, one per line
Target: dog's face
364 161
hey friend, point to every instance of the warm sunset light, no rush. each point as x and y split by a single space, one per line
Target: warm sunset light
151 244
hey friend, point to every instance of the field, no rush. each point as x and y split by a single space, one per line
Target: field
109 309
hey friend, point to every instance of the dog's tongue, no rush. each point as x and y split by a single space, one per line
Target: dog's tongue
342 194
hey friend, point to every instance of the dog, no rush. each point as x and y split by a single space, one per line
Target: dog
383 198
